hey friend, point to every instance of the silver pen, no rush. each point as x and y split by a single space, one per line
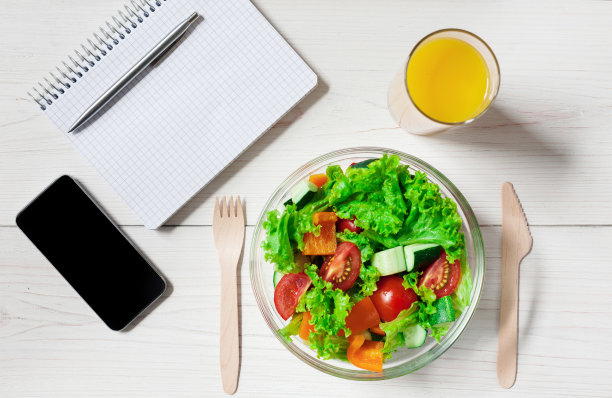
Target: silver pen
145 61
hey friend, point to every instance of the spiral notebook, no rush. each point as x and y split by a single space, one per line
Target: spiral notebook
182 121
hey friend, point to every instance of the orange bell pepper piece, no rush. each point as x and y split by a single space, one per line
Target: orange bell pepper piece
365 354
324 217
325 243
363 315
318 179
377 330
305 326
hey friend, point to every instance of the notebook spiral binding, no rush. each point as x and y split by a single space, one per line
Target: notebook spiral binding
124 22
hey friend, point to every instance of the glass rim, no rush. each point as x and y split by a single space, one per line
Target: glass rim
478 271
436 33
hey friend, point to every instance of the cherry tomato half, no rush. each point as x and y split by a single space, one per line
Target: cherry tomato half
390 297
288 292
441 276
342 268
344 224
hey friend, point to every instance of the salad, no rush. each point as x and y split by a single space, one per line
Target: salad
368 261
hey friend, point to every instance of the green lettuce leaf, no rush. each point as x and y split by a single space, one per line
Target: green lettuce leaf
426 297
328 346
437 332
286 231
368 275
338 187
378 241
365 285
461 295
277 247
426 307
362 242
411 280
394 330
372 195
432 218
292 328
305 221
329 308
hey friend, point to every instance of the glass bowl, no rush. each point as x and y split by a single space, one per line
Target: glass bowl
406 360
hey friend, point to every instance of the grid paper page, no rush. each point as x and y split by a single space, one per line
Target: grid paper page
178 124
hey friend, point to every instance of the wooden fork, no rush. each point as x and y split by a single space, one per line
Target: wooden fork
228 231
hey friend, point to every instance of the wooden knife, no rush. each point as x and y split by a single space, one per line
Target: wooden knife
516 244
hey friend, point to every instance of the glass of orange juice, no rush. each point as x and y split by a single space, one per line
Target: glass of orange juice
450 78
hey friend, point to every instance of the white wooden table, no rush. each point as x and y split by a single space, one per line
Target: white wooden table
549 132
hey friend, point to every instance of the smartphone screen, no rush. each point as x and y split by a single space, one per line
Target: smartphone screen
91 253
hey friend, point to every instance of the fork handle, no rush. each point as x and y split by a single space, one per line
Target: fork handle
229 340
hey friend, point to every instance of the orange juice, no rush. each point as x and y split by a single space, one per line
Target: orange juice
448 80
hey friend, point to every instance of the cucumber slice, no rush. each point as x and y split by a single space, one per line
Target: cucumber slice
363 164
303 193
420 255
277 277
445 314
414 336
390 261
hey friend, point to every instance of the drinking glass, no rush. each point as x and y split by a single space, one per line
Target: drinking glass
402 105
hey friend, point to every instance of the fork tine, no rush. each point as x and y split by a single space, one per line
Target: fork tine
239 208
217 211
223 206
230 207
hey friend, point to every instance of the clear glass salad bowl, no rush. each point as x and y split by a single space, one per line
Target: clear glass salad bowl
406 360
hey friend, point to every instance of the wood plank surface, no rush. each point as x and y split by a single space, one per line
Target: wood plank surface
548 133
52 344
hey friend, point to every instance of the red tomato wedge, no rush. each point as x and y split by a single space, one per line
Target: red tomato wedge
349 225
342 269
441 277
288 292
390 297
365 354
318 179
363 316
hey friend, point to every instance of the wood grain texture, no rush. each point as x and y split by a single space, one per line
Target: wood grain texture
228 232
548 132
52 344
516 244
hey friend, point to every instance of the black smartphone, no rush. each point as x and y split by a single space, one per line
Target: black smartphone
91 253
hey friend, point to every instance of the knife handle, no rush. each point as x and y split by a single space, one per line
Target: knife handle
508 310
508 320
